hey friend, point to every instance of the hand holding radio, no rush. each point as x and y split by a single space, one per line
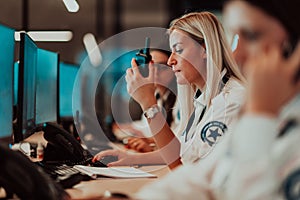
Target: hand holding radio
140 78
143 58
140 88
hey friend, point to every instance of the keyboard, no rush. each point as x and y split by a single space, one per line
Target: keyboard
65 175
65 171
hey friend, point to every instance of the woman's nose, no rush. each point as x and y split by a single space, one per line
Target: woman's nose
171 60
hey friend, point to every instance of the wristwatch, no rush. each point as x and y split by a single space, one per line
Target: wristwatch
151 112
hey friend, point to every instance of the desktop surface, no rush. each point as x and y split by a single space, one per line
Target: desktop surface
96 188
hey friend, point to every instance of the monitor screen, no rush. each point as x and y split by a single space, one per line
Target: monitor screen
7 46
67 76
46 86
26 88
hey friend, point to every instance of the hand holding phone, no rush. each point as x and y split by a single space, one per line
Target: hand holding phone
288 50
143 58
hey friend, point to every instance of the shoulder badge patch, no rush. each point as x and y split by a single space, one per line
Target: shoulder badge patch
291 186
212 131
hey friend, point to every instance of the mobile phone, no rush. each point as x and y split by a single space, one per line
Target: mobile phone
288 48
288 51
143 58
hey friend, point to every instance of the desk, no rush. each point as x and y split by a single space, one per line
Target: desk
96 188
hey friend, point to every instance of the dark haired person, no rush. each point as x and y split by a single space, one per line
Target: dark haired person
265 144
165 93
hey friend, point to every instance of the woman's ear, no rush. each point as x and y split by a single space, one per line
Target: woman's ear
204 51
204 54
204 47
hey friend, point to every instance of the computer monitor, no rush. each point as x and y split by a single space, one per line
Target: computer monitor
67 76
7 46
26 88
46 86
47 101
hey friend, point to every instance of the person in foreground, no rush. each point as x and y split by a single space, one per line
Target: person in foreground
203 63
260 159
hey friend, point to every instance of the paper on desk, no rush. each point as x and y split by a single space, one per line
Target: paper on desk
114 172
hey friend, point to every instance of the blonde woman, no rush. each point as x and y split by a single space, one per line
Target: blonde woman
203 64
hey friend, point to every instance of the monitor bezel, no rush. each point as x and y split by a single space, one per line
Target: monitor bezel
18 134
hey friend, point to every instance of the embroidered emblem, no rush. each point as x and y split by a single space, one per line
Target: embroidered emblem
291 186
212 131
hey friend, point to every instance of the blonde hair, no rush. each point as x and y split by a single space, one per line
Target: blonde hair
204 27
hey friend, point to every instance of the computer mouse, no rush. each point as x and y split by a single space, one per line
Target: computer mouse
98 164
108 159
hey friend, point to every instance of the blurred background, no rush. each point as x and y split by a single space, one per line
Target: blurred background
102 18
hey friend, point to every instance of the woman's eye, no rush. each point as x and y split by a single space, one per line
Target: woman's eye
178 51
251 36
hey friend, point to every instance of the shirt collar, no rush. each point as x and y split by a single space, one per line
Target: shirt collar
199 101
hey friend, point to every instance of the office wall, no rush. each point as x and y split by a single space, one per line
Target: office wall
103 18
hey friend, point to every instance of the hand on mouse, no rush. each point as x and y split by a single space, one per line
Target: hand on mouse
124 158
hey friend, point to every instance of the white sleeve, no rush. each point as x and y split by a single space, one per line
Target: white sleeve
253 136
252 174
272 176
190 181
184 183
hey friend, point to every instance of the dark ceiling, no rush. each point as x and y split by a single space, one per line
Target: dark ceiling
103 18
